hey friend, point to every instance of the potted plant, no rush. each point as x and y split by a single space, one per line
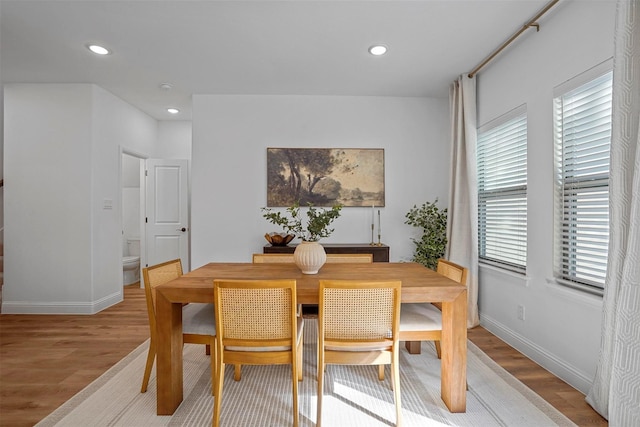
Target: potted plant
318 221
308 255
433 241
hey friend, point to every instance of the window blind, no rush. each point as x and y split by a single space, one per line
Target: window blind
502 192
583 140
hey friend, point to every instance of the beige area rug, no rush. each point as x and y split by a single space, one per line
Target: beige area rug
353 395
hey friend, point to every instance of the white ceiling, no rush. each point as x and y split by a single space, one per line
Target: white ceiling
294 47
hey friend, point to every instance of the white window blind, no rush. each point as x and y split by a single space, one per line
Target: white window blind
582 145
502 191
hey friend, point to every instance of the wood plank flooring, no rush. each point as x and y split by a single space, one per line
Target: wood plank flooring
45 360
561 395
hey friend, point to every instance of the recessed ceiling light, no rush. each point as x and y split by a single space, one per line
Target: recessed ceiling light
99 50
165 86
173 110
378 50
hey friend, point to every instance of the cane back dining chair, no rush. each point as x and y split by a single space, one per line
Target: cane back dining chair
423 321
269 258
198 325
358 324
350 258
256 324
331 258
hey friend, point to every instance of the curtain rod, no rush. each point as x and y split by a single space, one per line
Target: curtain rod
532 23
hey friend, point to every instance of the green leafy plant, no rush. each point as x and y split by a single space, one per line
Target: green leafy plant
433 222
318 221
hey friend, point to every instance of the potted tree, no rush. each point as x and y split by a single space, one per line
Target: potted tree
433 223
309 255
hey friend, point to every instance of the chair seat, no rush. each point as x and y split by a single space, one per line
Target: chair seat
300 321
198 319
420 317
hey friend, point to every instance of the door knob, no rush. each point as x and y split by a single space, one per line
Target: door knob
183 229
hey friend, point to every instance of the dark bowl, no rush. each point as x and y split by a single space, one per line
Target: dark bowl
279 239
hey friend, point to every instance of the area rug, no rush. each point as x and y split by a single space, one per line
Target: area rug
353 395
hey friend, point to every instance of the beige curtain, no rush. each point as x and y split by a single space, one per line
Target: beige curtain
462 223
615 392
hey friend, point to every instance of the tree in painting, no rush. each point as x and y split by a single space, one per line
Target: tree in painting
293 175
315 176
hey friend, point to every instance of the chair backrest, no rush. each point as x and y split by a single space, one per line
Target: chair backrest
453 271
364 313
154 276
269 258
331 258
359 258
255 313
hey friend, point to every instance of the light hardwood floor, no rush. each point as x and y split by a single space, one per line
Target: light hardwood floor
45 360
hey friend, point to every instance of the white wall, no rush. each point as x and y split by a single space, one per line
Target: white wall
130 213
1 157
48 196
230 139
174 139
130 199
1 177
63 251
1 165
561 329
116 124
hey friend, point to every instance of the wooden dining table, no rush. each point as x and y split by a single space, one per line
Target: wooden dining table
419 284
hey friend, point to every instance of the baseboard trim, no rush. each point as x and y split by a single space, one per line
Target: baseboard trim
558 367
31 307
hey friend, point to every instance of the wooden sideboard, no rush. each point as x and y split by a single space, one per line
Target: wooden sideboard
380 253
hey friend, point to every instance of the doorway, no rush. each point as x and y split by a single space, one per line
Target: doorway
155 209
132 230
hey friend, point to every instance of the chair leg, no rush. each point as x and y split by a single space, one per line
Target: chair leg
299 357
214 369
321 368
207 349
151 357
381 372
294 380
413 347
237 372
438 350
217 399
395 380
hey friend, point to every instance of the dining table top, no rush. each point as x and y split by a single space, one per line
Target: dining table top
419 284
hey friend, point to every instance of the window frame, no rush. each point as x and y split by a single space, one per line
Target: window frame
578 198
506 193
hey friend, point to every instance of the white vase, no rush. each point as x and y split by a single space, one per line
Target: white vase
309 257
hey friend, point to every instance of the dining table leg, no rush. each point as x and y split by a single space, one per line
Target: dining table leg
169 356
454 353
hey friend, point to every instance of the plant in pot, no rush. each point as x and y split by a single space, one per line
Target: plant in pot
309 255
432 243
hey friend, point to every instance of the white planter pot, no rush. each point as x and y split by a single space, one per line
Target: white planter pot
309 257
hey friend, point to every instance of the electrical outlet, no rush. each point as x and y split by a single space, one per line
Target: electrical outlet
521 312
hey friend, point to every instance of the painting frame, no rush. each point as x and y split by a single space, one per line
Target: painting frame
352 177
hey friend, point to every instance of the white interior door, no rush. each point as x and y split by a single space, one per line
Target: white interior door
167 217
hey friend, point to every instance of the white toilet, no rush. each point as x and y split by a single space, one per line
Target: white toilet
131 262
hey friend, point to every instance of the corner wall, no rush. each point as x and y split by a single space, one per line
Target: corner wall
63 249
561 329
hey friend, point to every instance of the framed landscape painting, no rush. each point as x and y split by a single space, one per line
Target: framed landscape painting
325 176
